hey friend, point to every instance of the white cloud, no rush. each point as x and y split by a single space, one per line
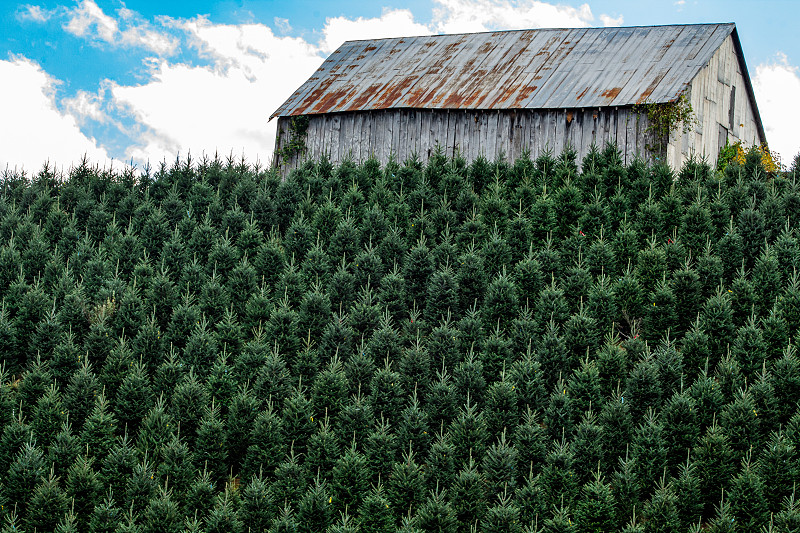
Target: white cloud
608 20
89 21
33 13
88 17
86 106
777 86
282 25
35 130
224 107
460 16
392 23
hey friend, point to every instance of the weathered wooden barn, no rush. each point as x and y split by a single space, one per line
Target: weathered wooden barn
510 91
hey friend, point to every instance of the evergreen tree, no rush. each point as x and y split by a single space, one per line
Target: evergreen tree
748 504
713 458
162 514
99 429
468 496
374 513
83 488
405 488
47 504
257 507
224 517
118 466
594 512
210 448
315 509
106 517
659 511
686 486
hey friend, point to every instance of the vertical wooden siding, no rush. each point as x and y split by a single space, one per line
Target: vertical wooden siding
404 133
710 95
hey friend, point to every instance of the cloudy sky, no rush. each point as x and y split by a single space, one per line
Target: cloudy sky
145 80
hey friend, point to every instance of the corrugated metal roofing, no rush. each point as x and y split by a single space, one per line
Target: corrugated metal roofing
525 69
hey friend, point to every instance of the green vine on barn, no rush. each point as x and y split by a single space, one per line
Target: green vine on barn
664 119
296 145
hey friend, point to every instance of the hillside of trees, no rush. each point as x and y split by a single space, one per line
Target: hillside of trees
543 345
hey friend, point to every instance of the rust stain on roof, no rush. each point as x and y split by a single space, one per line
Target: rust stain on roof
562 68
610 94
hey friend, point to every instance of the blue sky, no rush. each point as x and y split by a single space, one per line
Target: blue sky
141 80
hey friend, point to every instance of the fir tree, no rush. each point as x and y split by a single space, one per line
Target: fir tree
594 513
118 466
659 511
162 514
257 507
47 504
210 448
224 517
406 486
83 488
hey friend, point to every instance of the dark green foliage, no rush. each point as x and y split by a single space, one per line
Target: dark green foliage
487 327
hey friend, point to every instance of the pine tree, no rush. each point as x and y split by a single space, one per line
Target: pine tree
587 446
594 512
680 427
323 449
715 466
374 513
559 521
440 402
788 519
210 448
48 416
659 511
198 495
649 451
99 429
413 428
740 423
626 488
242 414
777 469
380 449
186 407
118 465
405 488
83 488
686 486
106 517
748 504
349 479
47 504
134 397
315 509
437 514
643 388
386 392
257 508
224 517
558 474
63 451
471 278
176 466
291 479
162 514
499 466
468 496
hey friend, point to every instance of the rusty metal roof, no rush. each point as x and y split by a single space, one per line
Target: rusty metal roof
525 69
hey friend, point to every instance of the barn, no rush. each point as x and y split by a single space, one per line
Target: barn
663 92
